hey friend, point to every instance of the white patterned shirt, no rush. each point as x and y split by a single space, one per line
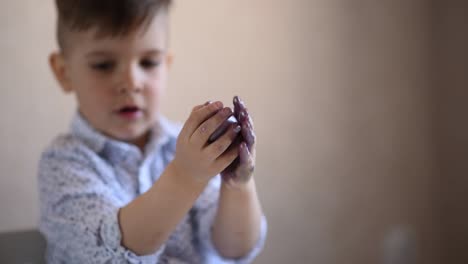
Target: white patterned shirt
85 177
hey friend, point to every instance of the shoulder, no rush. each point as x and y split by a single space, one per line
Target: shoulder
67 163
68 156
67 146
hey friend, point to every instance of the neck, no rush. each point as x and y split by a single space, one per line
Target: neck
141 141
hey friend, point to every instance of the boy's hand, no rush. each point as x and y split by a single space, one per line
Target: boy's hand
241 170
194 157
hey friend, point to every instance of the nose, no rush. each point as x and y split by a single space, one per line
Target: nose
130 81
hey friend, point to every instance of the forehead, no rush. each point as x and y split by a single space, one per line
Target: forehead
153 35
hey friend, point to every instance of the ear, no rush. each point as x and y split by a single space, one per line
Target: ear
58 65
169 59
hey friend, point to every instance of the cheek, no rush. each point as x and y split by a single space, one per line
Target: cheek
153 96
93 94
83 80
157 87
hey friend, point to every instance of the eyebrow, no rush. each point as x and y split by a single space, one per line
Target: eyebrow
98 53
154 52
101 53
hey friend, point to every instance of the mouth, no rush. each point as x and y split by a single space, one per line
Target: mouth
130 112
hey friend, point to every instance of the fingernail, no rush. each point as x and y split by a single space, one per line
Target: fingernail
227 111
218 104
237 129
236 99
207 103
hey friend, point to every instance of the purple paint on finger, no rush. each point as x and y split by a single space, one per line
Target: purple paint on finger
241 104
241 168
237 107
242 116
248 136
222 128
243 154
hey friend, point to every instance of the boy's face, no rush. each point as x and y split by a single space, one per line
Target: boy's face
118 81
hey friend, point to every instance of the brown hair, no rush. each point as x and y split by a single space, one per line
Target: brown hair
111 17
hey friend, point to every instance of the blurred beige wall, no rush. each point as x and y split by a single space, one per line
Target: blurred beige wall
343 102
32 108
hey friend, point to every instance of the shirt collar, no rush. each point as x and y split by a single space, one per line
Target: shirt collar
162 132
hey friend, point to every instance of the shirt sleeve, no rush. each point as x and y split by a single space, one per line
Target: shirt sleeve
206 207
79 213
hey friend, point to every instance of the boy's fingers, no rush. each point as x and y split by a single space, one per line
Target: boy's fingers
222 129
243 154
200 106
202 133
218 147
249 119
243 116
199 116
247 129
246 118
246 163
237 109
233 166
228 157
239 102
241 109
195 108
248 135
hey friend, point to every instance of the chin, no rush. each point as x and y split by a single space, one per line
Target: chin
131 133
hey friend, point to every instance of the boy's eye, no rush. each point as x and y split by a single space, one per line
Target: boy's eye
103 66
149 63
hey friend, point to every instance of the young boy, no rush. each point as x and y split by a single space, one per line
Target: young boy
126 185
